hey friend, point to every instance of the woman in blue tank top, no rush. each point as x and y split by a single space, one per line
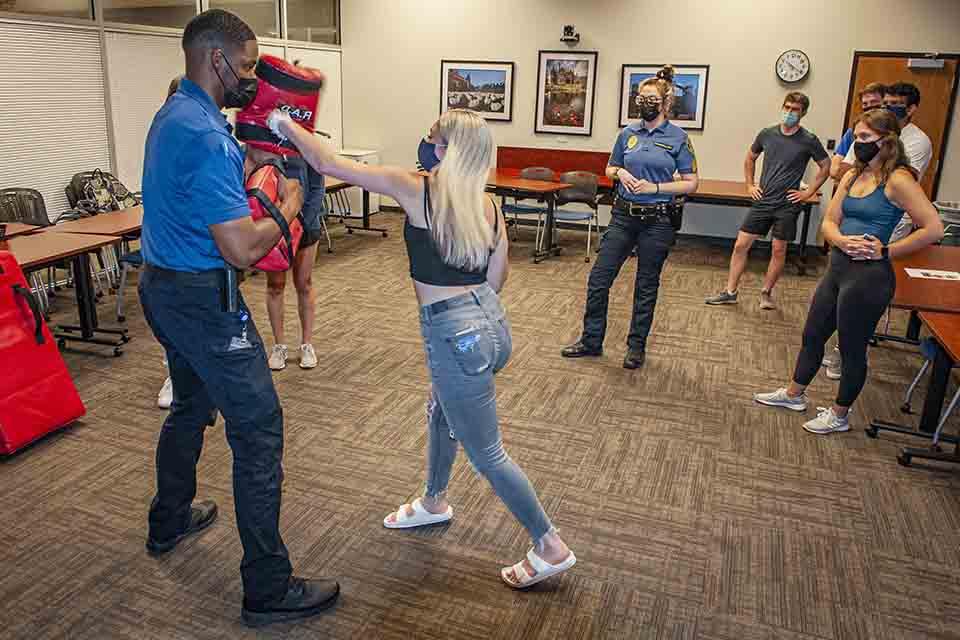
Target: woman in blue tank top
457 244
859 283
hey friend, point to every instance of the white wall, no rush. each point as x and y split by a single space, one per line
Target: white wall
392 52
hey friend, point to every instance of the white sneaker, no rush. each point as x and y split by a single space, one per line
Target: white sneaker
827 422
308 357
779 398
832 362
165 398
278 357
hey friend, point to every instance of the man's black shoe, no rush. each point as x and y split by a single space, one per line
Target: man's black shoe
634 359
304 598
202 515
579 350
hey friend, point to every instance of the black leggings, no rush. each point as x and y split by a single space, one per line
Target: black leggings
850 300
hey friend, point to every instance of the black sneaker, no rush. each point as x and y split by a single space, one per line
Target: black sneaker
202 515
304 598
634 358
579 350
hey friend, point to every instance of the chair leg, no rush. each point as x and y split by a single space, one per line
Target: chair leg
943 418
905 407
326 233
539 233
124 269
36 283
586 258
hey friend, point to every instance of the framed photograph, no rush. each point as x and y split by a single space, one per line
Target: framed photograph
690 91
484 87
566 87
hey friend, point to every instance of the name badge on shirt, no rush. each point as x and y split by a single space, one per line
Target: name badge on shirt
663 146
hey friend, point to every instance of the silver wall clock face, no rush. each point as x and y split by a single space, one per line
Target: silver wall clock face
793 66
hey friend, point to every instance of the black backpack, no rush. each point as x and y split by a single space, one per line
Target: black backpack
97 192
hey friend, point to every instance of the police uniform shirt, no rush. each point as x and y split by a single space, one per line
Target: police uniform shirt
653 155
192 178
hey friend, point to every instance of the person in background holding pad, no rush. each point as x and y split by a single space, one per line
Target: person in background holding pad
787 148
859 282
197 229
645 217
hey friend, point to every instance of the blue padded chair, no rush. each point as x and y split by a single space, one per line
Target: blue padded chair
583 191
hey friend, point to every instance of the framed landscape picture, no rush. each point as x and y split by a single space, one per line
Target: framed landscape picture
484 87
690 93
566 87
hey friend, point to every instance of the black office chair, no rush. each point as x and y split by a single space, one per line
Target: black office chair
19 204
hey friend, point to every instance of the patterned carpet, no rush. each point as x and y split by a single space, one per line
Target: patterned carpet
694 512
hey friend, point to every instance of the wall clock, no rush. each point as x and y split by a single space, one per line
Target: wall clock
793 66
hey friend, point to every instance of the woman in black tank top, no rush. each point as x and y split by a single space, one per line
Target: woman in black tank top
458 260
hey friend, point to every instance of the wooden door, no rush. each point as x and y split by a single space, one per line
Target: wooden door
938 88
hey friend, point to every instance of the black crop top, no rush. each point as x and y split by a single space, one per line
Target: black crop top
426 264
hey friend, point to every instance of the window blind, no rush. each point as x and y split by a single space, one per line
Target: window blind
54 121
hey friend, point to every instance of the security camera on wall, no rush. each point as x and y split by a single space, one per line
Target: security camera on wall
570 35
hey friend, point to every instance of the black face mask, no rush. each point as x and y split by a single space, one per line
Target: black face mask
898 110
427 155
649 112
866 151
243 94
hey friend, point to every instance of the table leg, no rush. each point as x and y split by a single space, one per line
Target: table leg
86 307
932 408
366 218
551 249
913 332
804 233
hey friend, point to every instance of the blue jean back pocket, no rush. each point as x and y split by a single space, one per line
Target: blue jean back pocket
473 350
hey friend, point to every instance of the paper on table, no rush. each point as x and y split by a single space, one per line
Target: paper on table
933 274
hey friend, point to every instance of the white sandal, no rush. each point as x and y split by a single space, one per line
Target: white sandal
420 517
543 568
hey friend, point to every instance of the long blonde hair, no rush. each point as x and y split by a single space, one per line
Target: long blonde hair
459 225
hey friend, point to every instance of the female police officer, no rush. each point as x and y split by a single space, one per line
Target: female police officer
644 160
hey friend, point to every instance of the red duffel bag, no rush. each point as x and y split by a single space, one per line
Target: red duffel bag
37 395
262 189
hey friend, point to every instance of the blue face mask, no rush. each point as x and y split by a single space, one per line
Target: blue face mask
427 155
790 118
898 110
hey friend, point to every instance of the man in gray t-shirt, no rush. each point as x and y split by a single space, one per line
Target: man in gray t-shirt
786 148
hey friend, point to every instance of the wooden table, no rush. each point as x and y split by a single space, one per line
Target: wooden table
945 328
42 249
506 183
14 229
114 223
733 193
921 294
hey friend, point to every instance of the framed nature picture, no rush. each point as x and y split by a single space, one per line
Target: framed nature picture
566 86
484 87
690 93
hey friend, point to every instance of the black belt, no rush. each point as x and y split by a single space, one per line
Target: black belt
637 210
462 300
224 279
213 278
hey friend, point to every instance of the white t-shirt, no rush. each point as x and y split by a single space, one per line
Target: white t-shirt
915 143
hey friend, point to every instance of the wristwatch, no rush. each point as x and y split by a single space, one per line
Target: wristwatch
884 251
